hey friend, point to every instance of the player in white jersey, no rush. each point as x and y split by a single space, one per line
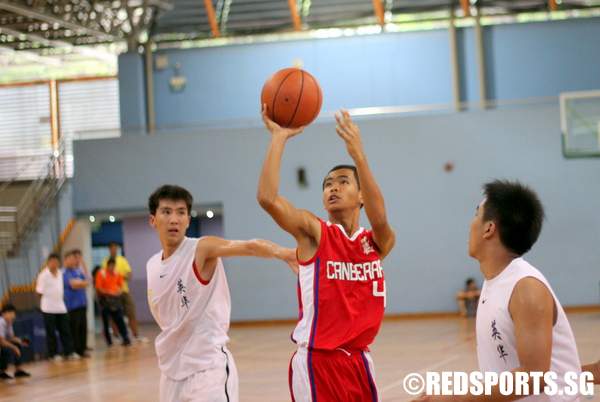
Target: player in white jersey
520 326
189 299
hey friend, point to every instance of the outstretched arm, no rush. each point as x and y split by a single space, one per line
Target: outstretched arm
383 235
210 248
301 224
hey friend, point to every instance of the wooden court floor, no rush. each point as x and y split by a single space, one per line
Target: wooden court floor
262 355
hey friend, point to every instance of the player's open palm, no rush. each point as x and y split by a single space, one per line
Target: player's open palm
276 130
350 133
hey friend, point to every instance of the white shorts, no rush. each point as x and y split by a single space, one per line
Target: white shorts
218 384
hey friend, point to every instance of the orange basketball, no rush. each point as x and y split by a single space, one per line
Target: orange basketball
293 97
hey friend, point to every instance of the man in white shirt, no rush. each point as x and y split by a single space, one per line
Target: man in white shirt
521 327
50 286
189 298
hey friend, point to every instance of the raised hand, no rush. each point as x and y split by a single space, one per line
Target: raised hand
350 133
276 130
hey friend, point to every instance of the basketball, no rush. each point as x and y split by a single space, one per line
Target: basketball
293 97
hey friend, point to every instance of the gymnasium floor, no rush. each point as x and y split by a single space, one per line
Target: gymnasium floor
262 354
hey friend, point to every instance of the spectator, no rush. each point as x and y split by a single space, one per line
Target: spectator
124 269
50 285
75 283
10 345
109 285
89 277
467 299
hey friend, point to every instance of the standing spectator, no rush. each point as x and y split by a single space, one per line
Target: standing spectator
10 345
109 285
75 283
89 277
50 285
124 269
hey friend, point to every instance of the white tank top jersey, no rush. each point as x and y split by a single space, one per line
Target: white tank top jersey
496 345
193 315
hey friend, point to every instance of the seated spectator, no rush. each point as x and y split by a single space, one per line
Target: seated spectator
10 345
109 286
75 283
50 285
467 299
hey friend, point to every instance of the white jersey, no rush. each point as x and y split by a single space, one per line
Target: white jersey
193 315
496 344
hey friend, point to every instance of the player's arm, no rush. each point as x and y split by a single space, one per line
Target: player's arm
593 368
298 223
383 235
209 248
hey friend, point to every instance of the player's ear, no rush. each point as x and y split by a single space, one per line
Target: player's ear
360 198
489 229
152 220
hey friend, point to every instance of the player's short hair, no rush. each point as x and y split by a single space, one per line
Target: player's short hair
111 261
53 256
517 211
340 167
170 192
113 243
469 281
7 308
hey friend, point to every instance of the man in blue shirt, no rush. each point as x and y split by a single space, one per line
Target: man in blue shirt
75 283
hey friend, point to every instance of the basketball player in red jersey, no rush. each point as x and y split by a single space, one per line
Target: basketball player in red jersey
341 285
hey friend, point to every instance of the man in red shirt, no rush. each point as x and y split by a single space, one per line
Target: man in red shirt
341 284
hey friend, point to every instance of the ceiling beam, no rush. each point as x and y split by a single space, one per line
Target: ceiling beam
56 43
42 16
212 18
295 15
29 55
379 11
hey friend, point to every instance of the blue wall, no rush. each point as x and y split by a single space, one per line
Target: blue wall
429 208
225 82
409 68
543 59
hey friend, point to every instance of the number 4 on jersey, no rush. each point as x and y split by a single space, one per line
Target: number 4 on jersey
378 293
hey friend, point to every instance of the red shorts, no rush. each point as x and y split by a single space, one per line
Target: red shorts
332 376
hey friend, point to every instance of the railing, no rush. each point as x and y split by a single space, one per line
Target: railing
22 214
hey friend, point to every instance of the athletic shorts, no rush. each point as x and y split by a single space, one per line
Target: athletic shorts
219 384
332 376
128 305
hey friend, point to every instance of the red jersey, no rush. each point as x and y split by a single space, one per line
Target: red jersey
341 292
